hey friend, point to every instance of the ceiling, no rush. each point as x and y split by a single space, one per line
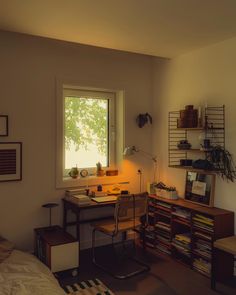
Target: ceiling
164 28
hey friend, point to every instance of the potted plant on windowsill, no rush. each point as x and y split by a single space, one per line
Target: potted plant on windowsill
100 171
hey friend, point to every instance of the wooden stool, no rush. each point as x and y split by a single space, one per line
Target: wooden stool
224 251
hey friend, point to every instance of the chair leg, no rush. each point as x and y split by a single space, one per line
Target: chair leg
93 245
144 238
121 277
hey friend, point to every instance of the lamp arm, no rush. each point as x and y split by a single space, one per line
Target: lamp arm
153 158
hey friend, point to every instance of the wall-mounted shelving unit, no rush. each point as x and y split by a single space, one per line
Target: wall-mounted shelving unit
212 128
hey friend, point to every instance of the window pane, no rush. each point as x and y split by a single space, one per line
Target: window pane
86 132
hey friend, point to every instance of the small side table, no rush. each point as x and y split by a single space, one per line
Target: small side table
56 248
224 251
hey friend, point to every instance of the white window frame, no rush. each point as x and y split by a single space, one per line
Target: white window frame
116 132
69 90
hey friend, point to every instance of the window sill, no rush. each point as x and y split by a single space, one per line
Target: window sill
90 181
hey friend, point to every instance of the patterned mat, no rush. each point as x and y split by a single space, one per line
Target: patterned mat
90 287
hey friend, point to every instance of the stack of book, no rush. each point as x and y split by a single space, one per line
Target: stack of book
82 199
182 243
163 236
202 235
78 191
163 205
181 215
79 196
203 222
202 266
203 248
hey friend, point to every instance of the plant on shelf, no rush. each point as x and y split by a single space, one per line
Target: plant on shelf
223 163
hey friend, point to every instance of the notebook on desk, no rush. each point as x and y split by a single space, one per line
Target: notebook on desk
104 199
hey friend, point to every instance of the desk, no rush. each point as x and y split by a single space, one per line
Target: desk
71 203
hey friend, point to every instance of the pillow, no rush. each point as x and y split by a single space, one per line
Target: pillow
6 248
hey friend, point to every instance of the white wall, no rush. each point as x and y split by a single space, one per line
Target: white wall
203 76
29 67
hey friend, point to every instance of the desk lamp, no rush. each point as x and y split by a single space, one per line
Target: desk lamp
131 150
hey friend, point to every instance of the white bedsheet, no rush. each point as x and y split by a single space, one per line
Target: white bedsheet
23 274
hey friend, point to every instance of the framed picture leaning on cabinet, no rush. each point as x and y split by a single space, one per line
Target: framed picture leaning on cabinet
200 187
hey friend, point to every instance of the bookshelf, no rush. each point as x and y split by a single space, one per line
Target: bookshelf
187 231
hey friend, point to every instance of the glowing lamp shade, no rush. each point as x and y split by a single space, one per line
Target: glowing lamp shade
129 151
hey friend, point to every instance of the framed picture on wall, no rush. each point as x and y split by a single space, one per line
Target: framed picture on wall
200 187
10 161
3 125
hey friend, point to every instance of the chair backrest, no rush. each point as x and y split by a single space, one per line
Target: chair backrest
140 204
124 209
130 207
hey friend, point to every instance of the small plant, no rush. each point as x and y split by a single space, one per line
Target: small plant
161 185
100 171
99 166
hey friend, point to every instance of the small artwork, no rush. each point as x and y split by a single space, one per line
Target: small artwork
3 125
199 188
10 161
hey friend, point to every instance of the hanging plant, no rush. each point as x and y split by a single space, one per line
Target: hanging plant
223 163
143 119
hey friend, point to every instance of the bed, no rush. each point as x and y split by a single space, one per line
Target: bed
22 273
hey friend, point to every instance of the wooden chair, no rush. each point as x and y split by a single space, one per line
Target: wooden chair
128 211
224 251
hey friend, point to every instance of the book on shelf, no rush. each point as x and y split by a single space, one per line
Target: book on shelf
203 226
203 235
165 212
163 225
162 204
203 248
202 265
163 248
210 223
182 213
203 217
182 243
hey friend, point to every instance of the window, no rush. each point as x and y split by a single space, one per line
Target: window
89 128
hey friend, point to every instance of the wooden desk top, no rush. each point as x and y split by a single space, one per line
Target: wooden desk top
226 244
92 204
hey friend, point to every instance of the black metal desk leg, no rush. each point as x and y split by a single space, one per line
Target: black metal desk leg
78 225
64 216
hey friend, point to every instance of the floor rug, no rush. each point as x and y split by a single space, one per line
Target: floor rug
90 287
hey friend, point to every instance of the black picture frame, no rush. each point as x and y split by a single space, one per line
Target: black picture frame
10 161
200 187
3 125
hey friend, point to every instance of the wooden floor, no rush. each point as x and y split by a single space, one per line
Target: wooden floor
166 277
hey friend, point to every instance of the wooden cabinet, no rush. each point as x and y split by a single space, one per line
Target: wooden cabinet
187 231
56 248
